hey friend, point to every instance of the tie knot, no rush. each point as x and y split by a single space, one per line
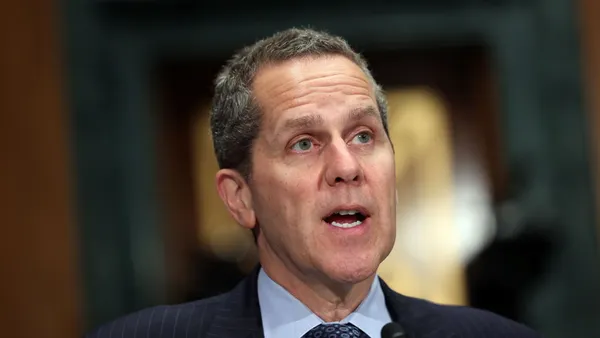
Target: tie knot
335 331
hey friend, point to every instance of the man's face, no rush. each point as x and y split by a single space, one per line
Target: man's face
323 184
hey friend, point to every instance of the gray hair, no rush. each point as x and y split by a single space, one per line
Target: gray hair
235 118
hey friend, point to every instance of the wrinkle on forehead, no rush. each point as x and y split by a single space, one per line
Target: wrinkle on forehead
290 84
299 97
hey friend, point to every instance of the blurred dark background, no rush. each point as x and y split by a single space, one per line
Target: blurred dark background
107 194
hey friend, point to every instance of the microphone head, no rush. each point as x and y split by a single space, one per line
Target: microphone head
393 330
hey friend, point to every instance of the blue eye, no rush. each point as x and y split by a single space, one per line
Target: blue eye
362 138
302 145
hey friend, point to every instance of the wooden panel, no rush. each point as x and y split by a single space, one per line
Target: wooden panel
38 287
590 30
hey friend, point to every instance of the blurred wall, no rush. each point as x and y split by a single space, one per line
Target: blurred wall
39 279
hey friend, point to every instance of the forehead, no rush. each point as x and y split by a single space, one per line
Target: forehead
304 81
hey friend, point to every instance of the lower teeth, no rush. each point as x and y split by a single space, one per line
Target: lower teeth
346 225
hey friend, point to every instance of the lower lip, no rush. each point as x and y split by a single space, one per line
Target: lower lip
357 230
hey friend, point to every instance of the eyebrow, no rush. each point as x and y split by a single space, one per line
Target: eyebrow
311 121
304 122
357 114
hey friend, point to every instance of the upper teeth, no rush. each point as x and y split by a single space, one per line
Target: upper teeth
347 212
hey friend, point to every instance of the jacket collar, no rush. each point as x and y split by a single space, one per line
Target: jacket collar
239 314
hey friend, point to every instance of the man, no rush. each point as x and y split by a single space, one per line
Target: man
300 133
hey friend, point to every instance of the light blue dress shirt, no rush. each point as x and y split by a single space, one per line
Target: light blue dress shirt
285 316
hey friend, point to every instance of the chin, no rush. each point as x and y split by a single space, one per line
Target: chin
352 270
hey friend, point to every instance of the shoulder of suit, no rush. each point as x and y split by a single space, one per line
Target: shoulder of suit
168 320
466 321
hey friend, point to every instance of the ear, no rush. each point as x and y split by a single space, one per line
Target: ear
235 193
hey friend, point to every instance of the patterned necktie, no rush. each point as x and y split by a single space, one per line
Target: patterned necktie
335 331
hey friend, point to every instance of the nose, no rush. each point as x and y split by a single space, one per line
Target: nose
342 165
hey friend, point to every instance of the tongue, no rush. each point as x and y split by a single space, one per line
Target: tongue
341 218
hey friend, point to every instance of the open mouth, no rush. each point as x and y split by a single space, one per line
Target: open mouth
346 218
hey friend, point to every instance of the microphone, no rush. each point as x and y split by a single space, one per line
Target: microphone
393 330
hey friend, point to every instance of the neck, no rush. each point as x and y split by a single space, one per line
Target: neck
330 300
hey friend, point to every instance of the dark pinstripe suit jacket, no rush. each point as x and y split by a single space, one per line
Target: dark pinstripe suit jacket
236 314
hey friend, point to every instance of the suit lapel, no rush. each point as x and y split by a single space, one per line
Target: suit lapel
418 317
239 315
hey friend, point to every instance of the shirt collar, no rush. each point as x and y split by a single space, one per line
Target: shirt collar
285 316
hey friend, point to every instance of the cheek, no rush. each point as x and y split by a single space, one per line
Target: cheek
295 181
382 183
285 193
381 173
